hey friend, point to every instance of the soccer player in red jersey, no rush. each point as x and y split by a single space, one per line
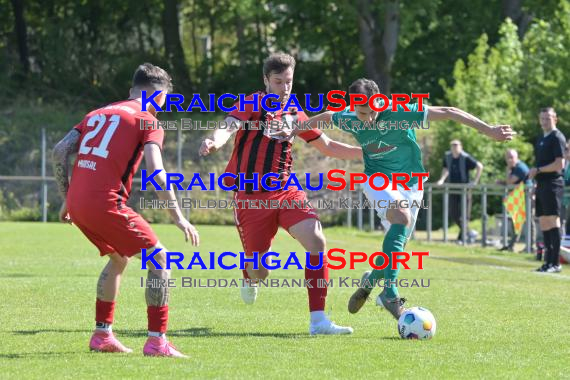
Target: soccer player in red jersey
257 150
110 143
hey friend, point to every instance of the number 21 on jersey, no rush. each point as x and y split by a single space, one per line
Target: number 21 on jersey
98 121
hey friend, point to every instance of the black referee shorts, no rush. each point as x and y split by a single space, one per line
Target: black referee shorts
549 196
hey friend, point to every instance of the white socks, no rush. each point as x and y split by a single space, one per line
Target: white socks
157 334
106 327
317 317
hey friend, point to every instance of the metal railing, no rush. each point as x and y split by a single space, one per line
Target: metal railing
430 190
484 191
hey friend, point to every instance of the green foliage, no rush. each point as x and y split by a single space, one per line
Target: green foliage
483 87
25 214
434 35
508 84
545 75
82 55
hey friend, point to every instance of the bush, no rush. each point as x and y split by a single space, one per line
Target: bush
25 214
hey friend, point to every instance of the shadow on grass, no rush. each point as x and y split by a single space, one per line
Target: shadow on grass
484 261
16 275
390 338
44 331
206 332
42 275
28 355
197 332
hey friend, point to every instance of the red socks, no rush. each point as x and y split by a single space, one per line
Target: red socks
157 318
318 292
104 311
157 315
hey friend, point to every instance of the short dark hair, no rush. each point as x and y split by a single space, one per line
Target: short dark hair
546 109
364 86
276 63
148 75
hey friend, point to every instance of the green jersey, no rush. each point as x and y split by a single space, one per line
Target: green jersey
389 144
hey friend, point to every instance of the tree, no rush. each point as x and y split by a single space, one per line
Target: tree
513 9
545 75
509 83
486 87
172 45
435 34
22 34
379 40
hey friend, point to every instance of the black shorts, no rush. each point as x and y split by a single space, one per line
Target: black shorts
549 196
455 207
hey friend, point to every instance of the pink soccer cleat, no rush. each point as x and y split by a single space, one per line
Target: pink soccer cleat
156 346
102 341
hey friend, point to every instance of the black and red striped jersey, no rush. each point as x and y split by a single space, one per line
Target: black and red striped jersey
254 151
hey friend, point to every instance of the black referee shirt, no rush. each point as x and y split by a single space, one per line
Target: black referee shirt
548 148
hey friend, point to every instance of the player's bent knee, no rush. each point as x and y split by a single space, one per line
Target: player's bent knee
318 243
117 261
159 257
399 216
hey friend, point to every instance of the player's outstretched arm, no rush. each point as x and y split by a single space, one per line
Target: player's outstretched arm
317 121
498 132
61 153
153 160
313 123
336 149
220 136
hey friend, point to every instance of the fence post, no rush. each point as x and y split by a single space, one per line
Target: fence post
44 182
445 212
484 216
372 224
429 213
529 219
359 211
464 216
505 220
349 216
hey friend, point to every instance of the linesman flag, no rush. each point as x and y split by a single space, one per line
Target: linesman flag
516 207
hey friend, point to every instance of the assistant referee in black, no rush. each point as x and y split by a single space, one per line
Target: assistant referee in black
549 156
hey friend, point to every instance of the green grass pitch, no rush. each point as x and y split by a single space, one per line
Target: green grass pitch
495 318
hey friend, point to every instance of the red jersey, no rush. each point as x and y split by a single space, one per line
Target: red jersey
110 151
255 152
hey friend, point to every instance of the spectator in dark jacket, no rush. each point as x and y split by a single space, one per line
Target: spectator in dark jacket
457 165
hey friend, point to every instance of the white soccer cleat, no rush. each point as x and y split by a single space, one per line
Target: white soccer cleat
248 294
327 327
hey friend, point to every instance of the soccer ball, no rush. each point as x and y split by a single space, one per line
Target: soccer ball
417 323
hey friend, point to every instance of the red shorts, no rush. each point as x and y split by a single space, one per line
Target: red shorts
112 230
257 226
